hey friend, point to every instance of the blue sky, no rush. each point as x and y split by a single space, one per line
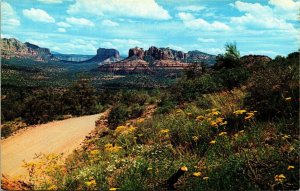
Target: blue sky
268 27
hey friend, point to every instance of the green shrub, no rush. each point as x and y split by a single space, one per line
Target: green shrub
118 114
274 90
136 110
232 77
189 90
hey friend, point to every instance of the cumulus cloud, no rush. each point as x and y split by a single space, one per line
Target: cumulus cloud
286 4
51 1
79 21
9 16
38 15
63 24
259 16
127 8
109 23
61 30
197 23
190 8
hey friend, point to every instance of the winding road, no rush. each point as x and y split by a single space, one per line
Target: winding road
54 137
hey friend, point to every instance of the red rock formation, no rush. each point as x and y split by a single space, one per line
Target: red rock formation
139 52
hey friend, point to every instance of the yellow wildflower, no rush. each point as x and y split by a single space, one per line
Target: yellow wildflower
163 131
178 110
111 148
124 129
91 183
240 112
279 178
52 187
140 120
215 113
95 152
214 109
197 174
286 137
205 178
213 142
288 98
224 123
214 124
184 168
195 138
209 119
222 133
249 115
219 120
113 189
200 117
290 167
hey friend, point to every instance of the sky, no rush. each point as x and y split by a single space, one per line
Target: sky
268 27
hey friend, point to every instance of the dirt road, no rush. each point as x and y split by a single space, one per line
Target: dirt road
54 137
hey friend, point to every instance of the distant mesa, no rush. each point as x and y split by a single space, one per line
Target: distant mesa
105 55
14 48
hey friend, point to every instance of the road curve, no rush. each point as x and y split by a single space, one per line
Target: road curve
54 137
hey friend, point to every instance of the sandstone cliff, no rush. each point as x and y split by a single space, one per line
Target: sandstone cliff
15 48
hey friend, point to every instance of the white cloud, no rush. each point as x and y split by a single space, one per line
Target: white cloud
63 24
80 21
190 8
38 15
126 8
286 4
286 9
130 42
9 16
260 52
51 1
61 30
109 23
205 40
259 16
191 22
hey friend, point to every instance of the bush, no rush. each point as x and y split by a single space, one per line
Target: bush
233 77
118 114
274 90
136 110
188 90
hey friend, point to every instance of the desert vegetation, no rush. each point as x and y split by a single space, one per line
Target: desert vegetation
232 127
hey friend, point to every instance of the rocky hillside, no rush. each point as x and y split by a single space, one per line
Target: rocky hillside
197 56
15 48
